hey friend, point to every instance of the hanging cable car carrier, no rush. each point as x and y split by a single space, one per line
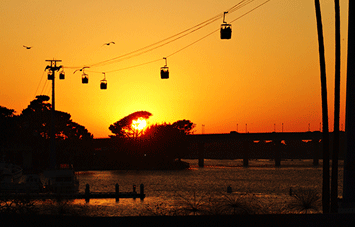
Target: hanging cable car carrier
164 71
226 29
103 83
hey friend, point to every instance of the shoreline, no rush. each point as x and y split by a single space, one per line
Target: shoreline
274 220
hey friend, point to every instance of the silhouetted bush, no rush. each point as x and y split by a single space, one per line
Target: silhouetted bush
305 200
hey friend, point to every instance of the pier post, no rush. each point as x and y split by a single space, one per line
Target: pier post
117 192
134 192
142 191
229 189
201 154
87 193
277 147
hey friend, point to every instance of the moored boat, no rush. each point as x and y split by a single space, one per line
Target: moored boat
62 180
32 184
10 173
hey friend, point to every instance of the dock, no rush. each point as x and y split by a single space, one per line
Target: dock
87 195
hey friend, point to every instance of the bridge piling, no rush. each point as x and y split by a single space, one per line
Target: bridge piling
142 190
246 153
117 192
87 193
244 146
277 146
316 147
201 154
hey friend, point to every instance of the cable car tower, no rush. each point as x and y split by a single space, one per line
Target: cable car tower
164 71
51 76
226 29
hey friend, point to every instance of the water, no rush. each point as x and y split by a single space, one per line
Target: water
169 190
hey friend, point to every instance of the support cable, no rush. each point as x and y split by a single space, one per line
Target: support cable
168 40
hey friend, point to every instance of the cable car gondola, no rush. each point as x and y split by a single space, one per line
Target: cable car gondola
50 75
103 83
85 78
164 71
226 29
62 75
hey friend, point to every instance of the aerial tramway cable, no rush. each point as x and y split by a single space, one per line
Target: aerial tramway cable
177 36
166 41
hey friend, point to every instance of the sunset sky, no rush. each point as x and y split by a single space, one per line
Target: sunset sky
267 73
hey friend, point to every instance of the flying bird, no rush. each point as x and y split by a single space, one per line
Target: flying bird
27 47
82 69
109 43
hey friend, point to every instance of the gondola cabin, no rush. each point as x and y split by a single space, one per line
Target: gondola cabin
50 75
62 75
62 180
226 31
164 72
85 79
103 84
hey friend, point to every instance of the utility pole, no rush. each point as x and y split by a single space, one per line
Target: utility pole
349 161
51 76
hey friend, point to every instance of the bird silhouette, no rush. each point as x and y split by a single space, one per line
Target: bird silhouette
82 69
109 43
27 47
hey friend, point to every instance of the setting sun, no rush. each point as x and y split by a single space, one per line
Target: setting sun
139 124
231 86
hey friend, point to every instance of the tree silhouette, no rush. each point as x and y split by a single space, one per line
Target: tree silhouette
168 141
6 113
35 119
124 129
161 146
185 126
7 126
34 129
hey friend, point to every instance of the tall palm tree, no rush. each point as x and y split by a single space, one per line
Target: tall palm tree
334 183
326 175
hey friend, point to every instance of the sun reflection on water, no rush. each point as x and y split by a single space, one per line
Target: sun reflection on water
165 189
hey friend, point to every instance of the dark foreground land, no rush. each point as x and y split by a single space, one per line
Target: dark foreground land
284 220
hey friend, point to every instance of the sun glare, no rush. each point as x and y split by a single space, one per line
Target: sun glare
139 124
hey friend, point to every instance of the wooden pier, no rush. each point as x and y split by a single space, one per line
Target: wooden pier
87 195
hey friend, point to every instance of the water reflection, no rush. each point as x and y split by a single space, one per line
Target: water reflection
173 190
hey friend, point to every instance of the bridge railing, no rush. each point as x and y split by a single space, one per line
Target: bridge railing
278 145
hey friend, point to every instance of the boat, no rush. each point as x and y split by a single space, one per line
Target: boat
32 184
62 180
10 173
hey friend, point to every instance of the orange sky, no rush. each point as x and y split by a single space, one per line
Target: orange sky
267 74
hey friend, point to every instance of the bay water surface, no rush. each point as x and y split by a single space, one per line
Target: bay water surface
167 191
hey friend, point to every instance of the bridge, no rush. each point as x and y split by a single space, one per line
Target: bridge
256 136
247 140
252 146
